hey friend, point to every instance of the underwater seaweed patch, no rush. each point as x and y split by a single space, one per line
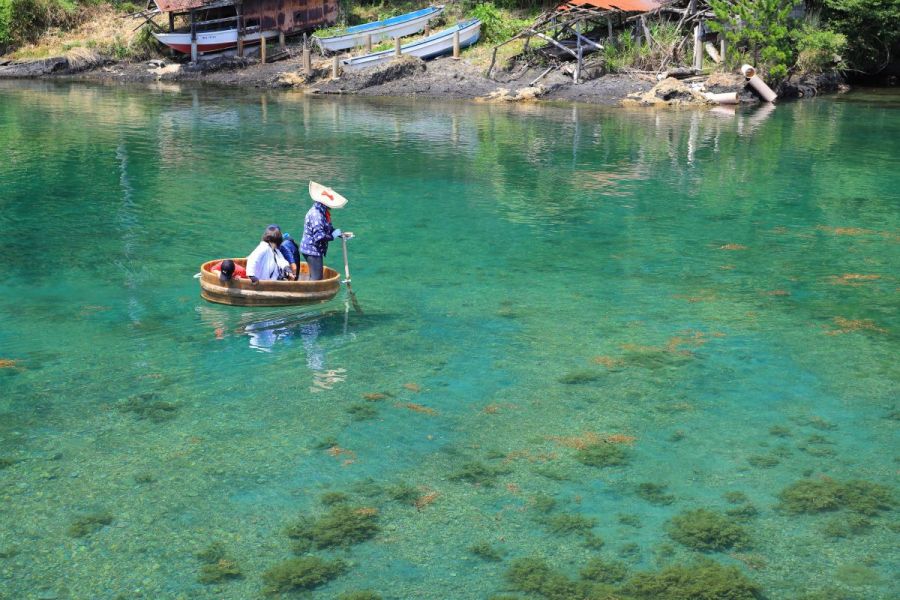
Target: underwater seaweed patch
342 526
579 377
825 494
360 595
603 455
704 580
478 473
362 412
655 493
302 573
85 525
148 406
604 571
706 530
485 551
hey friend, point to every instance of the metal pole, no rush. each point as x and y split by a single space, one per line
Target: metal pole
194 52
346 260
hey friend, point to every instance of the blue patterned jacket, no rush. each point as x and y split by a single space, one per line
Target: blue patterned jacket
317 232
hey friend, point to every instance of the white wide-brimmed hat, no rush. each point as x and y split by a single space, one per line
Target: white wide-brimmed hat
326 195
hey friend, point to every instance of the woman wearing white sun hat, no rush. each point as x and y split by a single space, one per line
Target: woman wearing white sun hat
317 228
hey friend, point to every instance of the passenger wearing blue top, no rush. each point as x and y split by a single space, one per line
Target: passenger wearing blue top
291 253
317 228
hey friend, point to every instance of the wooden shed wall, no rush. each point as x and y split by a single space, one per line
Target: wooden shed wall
290 15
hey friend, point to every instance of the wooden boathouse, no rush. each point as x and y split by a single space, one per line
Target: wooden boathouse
254 20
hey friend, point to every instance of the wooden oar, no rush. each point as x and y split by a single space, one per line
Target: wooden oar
353 299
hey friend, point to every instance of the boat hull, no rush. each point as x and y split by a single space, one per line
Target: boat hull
431 47
241 292
403 25
210 41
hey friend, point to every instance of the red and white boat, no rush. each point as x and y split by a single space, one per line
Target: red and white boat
210 41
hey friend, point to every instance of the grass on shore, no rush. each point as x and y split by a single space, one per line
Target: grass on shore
104 31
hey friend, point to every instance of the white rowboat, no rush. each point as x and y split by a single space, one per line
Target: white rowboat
430 47
399 26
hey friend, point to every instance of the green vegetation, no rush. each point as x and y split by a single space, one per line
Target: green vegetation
604 571
580 377
404 493
706 530
870 27
763 461
542 503
735 497
148 406
743 512
304 573
705 580
360 595
821 495
212 553
535 576
485 551
846 526
760 26
332 498
570 523
603 455
342 526
478 473
780 431
88 524
655 493
5 462
497 25
222 570
362 411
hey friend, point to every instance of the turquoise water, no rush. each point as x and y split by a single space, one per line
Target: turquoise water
712 295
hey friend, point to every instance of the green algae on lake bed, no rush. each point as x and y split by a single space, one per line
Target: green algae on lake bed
579 327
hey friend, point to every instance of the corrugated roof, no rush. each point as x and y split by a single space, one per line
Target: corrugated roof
623 5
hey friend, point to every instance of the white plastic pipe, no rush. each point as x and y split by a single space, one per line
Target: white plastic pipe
726 98
764 91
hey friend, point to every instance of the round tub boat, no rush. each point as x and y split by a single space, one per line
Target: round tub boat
241 292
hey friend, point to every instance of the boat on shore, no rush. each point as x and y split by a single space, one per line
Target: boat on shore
240 291
211 41
432 46
399 26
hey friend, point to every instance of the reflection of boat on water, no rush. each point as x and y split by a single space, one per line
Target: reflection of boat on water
376 31
433 46
242 292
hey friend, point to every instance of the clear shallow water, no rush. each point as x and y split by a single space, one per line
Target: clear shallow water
533 279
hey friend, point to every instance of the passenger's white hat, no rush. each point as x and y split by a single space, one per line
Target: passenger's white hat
326 195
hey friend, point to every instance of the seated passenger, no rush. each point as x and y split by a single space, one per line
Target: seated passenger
266 261
228 269
291 253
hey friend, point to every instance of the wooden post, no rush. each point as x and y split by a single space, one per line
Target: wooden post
307 61
396 47
609 30
368 43
427 29
646 31
722 47
456 43
262 47
698 48
239 22
171 22
335 67
194 52
637 33
281 40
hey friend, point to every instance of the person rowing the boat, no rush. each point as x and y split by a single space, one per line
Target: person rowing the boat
317 228
266 260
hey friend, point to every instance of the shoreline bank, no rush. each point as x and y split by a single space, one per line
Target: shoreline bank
442 78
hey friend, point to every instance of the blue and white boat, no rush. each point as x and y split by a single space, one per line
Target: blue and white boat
400 26
430 47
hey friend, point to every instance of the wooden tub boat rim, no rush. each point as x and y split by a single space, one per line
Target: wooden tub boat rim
288 285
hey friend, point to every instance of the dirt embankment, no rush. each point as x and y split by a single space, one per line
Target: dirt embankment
441 78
